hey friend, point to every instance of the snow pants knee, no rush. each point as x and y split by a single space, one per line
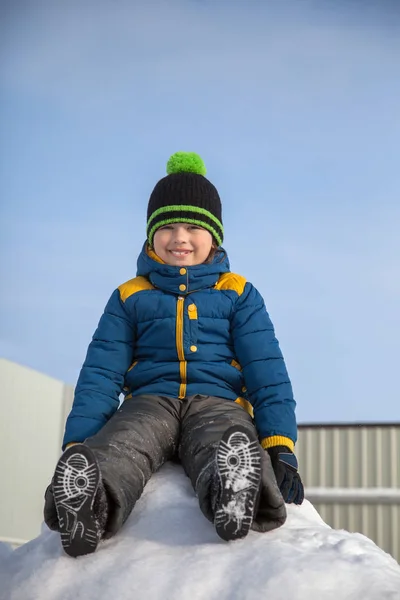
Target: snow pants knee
148 430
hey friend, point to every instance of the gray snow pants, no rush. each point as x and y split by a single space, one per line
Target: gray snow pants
147 431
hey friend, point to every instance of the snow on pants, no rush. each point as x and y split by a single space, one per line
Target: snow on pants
147 431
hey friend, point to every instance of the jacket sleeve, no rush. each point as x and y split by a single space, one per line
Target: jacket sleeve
102 376
268 385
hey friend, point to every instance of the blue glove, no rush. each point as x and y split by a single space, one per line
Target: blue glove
285 467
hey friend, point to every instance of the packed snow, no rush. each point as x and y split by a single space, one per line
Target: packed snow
167 549
5 550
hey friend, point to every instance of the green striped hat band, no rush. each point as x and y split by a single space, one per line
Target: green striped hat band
184 213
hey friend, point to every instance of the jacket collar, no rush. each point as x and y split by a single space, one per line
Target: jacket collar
181 280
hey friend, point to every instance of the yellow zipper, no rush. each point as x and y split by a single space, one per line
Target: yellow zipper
179 346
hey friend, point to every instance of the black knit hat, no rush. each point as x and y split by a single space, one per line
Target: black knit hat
185 196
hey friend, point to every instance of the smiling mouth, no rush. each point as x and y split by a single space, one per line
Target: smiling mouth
180 253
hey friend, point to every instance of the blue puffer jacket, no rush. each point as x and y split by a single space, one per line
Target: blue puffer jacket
183 331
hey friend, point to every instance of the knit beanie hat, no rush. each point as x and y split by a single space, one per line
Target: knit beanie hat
185 196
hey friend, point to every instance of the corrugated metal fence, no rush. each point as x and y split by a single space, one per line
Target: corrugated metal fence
352 476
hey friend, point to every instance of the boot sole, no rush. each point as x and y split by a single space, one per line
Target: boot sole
76 480
239 470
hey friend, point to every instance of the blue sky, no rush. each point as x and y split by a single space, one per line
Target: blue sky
295 108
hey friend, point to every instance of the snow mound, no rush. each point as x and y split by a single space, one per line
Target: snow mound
168 550
5 550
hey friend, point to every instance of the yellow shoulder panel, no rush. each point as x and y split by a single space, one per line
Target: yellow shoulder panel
138 284
231 281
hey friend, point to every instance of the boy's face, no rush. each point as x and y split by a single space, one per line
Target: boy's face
182 244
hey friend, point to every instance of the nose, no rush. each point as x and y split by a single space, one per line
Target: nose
181 235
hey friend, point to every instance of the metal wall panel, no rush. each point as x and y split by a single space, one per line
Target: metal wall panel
350 456
355 456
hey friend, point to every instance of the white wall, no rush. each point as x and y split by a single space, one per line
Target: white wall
33 408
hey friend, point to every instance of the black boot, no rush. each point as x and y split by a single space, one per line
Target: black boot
80 500
239 480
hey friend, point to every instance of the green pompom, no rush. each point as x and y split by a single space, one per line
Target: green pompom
186 162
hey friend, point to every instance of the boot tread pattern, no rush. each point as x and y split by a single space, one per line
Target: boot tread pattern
75 484
239 469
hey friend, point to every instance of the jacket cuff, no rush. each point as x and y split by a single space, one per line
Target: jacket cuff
277 440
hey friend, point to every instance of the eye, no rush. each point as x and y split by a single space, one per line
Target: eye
166 227
194 227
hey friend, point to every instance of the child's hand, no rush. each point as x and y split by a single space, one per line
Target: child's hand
285 467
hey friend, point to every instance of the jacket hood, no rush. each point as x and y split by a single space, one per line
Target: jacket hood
181 280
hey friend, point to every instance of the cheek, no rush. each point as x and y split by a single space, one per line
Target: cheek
207 245
160 240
